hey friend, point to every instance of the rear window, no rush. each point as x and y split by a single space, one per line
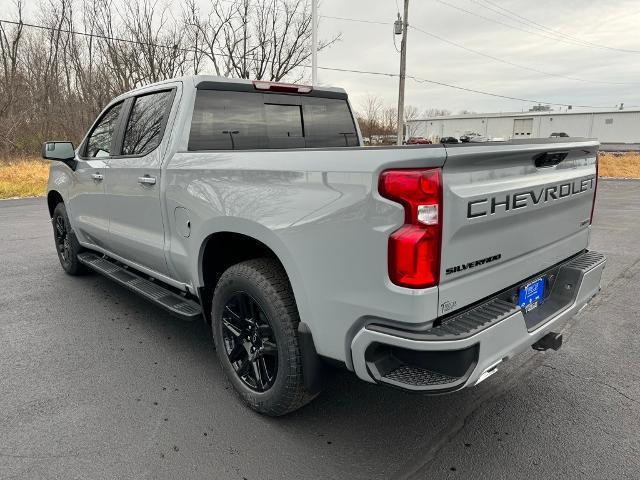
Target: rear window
224 120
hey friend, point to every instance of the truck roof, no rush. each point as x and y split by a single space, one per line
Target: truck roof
196 80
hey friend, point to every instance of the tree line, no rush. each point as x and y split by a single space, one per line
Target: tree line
60 67
378 122
58 70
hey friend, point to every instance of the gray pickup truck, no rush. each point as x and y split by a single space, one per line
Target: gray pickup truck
255 206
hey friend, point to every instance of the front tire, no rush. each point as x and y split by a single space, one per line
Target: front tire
255 321
66 242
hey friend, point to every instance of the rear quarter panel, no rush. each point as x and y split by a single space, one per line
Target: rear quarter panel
320 212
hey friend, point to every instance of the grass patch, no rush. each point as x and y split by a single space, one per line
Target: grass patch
619 165
27 177
23 177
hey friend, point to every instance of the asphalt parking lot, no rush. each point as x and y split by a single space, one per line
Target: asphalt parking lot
96 383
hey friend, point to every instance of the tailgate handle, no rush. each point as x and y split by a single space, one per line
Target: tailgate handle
549 159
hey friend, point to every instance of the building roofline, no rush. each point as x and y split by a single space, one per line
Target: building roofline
522 114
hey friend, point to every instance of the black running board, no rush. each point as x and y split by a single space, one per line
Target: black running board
153 291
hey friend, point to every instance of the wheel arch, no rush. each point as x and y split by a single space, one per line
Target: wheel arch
235 245
53 198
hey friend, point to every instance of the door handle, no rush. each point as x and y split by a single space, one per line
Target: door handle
147 180
97 177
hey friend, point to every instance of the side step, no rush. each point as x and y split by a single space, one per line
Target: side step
154 292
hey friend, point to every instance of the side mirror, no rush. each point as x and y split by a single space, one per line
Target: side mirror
60 151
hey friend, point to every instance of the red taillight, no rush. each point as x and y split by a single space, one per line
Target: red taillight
595 190
281 87
414 249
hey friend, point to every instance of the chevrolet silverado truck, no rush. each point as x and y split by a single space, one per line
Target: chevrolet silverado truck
254 206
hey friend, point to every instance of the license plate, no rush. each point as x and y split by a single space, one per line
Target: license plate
531 295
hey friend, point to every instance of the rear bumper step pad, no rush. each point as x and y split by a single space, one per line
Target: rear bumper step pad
466 347
152 291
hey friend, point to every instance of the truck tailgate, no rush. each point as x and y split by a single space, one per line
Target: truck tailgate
511 211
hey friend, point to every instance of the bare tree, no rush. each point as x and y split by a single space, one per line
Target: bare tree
411 113
389 121
11 39
369 117
269 39
436 112
205 35
55 79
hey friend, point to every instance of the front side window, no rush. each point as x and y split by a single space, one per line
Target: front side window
146 123
227 120
99 141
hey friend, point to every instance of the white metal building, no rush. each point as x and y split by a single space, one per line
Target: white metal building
616 126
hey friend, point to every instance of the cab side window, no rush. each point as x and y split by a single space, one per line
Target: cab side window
146 123
100 140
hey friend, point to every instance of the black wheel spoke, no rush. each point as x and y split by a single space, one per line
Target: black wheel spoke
244 368
63 245
60 226
249 342
231 312
263 366
258 375
231 327
237 353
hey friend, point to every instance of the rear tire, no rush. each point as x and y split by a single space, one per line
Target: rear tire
255 324
66 242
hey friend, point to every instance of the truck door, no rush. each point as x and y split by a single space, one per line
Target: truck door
87 207
132 188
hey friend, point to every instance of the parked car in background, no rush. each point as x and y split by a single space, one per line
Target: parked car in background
449 140
559 135
418 141
467 136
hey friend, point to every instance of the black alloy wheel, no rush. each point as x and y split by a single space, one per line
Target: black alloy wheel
254 321
67 246
249 342
63 242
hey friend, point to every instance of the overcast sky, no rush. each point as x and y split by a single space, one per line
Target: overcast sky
602 76
614 24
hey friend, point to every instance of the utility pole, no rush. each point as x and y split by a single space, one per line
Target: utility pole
314 42
403 69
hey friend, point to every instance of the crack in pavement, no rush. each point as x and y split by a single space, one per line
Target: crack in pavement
593 380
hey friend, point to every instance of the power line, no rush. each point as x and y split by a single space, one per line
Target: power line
175 47
458 87
517 65
519 18
335 69
97 35
533 32
358 20
477 52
